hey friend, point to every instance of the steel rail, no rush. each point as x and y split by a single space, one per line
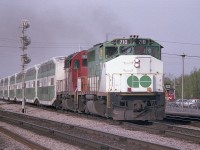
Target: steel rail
138 144
66 137
168 130
180 132
183 118
22 140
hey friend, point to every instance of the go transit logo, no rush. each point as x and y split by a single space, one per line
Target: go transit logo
133 81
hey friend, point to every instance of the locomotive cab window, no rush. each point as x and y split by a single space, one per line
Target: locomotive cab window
84 63
153 51
139 50
76 64
111 51
125 50
147 50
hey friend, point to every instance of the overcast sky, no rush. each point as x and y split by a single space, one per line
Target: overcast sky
60 27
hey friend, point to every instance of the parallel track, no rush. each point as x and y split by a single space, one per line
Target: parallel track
183 118
168 130
86 138
156 127
22 140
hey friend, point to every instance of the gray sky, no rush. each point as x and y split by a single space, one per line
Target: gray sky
60 27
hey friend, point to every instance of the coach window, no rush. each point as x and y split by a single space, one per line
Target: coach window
76 64
111 51
51 66
38 83
48 67
33 84
52 81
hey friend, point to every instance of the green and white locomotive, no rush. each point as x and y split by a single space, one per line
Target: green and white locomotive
126 79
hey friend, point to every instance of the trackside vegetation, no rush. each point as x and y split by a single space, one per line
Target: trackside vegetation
191 84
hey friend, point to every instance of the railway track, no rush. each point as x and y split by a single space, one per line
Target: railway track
182 118
160 128
193 121
164 129
21 139
168 130
76 135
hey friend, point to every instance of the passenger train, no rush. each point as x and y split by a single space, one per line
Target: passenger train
120 79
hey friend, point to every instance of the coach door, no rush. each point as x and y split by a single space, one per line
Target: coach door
60 86
51 88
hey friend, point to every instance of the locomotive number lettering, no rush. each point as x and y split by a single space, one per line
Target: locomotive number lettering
123 41
142 42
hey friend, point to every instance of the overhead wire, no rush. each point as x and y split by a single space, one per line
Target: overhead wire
180 55
73 45
185 43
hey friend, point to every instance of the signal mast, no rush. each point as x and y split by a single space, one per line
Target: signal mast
25 41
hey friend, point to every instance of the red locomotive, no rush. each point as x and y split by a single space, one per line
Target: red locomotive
75 81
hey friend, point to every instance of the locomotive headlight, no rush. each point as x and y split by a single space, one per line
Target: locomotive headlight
137 63
137 60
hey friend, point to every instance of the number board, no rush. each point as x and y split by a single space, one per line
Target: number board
84 56
132 41
124 41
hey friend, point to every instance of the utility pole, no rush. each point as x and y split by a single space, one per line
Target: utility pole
25 41
183 57
174 88
107 36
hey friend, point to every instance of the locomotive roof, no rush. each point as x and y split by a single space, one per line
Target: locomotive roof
114 40
74 54
70 56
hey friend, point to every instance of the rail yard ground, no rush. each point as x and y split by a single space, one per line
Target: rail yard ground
96 125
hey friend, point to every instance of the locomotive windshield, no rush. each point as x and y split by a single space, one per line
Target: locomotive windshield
126 50
147 50
132 47
140 50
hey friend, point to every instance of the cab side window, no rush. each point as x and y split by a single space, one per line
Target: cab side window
111 51
76 64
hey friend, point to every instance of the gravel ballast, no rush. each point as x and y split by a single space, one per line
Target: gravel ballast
98 125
